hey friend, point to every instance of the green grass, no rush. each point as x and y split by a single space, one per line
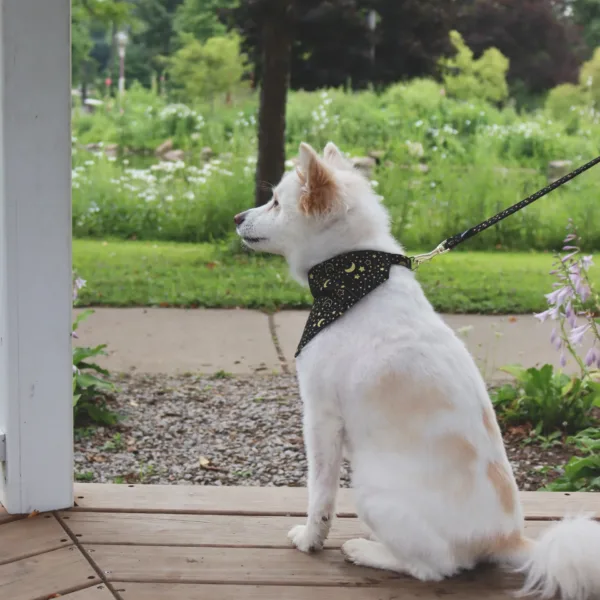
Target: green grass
165 274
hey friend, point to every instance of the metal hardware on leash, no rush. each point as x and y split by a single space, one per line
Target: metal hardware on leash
451 242
421 258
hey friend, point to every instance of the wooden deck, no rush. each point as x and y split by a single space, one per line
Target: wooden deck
213 543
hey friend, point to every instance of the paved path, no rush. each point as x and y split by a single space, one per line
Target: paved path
155 340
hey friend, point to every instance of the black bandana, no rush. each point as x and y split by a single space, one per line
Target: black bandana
340 282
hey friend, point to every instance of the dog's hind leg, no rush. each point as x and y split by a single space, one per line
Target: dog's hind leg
406 542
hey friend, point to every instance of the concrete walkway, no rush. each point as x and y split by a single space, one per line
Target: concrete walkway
155 340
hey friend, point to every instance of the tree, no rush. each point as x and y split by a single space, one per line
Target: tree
272 23
88 16
586 14
154 39
465 77
203 70
537 36
410 38
202 18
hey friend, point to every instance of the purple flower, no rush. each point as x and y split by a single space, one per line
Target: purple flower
563 360
570 248
551 313
568 256
577 333
591 357
587 262
569 238
557 297
584 292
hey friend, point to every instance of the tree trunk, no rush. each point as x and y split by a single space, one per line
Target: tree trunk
277 47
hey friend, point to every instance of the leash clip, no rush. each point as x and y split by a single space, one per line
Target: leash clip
422 258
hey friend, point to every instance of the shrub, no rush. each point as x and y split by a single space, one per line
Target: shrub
466 78
205 70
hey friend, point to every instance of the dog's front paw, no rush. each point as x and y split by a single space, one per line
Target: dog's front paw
302 539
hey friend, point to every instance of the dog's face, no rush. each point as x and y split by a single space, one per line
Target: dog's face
323 208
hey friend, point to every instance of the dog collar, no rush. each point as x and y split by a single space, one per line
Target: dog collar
340 282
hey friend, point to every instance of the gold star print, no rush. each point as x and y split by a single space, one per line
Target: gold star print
357 277
361 269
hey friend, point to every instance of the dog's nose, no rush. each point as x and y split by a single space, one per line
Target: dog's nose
239 219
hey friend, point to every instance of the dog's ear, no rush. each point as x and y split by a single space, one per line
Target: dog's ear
335 158
320 194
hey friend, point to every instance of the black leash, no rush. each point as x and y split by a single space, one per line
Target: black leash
455 240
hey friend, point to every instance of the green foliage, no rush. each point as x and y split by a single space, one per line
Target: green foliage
589 78
205 70
582 472
564 100
547 400
586 14
200 18
466 78
480 159
89 384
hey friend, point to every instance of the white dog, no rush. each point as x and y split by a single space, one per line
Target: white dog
391 385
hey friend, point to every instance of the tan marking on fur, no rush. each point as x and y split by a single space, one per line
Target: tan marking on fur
411 399
397 398
457 449
301 175
491 424
494 546
502 482
321 193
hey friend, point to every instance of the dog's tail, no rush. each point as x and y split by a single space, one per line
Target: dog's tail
564 560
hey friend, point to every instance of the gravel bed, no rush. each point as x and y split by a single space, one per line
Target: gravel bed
229 431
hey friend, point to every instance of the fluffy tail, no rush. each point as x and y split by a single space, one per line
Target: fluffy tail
564 560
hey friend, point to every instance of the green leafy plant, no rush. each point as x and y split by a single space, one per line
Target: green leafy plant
581 473
547 399
90 387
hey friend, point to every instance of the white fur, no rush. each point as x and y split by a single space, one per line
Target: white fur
430 512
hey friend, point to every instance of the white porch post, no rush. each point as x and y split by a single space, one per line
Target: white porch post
35 255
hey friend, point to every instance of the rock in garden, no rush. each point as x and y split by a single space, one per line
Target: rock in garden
558 169
206 153
111 149
365 164
377 155
174 155
165 147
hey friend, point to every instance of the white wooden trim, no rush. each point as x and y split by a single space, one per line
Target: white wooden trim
35 255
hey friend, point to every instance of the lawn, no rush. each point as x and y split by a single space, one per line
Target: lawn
219 276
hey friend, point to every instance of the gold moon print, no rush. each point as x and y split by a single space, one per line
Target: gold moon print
351 269
321 321
325 284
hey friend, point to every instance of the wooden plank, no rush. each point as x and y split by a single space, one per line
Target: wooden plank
98 592
207 530
40 576
271 501
27 537
6 518
247 566
281 501
396 590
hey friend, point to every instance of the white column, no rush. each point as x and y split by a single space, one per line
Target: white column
35 255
